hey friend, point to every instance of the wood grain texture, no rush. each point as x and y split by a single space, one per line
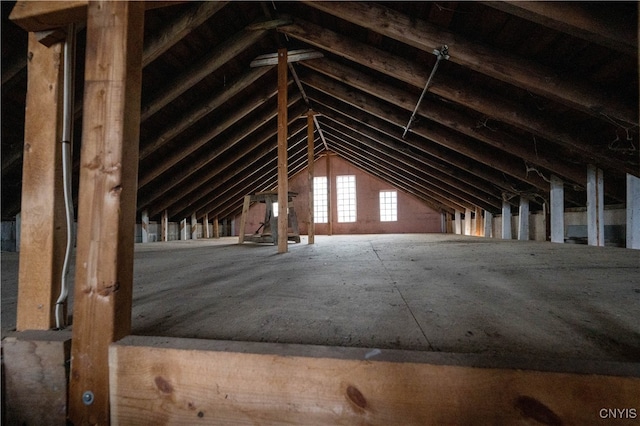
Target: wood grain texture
106 201
283 157
183 381
35 377
43 220
310 175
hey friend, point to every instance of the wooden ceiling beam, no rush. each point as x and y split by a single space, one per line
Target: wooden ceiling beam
411 161
453 90
439 205
183 151
233 141
219 56
239 145
434 132
572 18
395 163
193 190
482 58
190 117
178 29
253 179
34 16
451 154
439 112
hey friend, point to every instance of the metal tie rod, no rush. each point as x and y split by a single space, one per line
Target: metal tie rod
441 54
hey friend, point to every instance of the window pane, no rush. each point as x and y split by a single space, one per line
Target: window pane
346 196
320 213
388 206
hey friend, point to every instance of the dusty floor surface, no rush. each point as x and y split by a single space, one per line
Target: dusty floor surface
433 292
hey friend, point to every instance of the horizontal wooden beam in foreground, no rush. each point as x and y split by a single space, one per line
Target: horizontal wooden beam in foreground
36 16
161 380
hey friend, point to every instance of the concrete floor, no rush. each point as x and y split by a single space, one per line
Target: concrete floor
433 292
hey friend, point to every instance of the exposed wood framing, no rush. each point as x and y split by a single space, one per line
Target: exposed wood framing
572 18
107 201
35 377
43 224
169 381
283 175
310 176
474 55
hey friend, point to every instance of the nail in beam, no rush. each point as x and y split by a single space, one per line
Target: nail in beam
106 201
283 178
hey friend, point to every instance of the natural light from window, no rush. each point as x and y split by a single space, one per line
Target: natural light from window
320 210
388 206
346 196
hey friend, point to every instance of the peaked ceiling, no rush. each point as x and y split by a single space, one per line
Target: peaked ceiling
530 90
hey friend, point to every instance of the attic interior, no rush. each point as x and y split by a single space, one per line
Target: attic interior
465 108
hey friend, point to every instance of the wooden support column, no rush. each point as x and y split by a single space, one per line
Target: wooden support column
556 206
506 220
165 225
106 201
633 212
216 228
467 222
205 226
458 222
283 174
243 218
145 226
595 206
488 224
523 219
311 232
479 228
194 226
184 235
43 227
329 191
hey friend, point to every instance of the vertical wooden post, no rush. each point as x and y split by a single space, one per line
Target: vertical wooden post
329 203
633 212
479 228
43 226
205 227
595 206
556 205
310 160
145 226
506 220
523 219
488 224
458 222
165 225
194 226
216 228
283 174
468 221
107 201
184 235
243 219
